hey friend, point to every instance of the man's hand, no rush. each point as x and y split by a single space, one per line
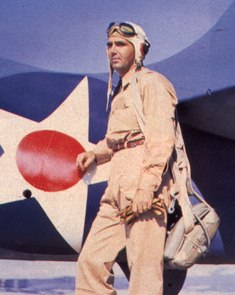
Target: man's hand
142 201
85 160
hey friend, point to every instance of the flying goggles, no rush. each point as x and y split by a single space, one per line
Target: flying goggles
124 29
128 30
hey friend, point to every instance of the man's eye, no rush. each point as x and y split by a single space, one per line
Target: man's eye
121 44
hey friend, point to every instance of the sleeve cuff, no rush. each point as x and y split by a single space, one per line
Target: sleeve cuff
102 156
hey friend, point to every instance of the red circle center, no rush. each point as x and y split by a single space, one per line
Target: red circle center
47 160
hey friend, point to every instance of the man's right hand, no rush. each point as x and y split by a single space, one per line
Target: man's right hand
85 160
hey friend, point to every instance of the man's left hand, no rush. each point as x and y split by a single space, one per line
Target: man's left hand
142 201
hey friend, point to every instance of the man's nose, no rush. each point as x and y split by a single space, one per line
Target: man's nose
113 49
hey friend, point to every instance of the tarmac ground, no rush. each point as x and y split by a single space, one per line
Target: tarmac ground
58 278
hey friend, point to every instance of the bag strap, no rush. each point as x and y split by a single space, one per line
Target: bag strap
189 185
204 228
182 164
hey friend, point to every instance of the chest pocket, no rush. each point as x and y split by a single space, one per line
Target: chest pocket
122 103
123 112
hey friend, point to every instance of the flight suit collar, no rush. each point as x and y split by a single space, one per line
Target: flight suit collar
128 77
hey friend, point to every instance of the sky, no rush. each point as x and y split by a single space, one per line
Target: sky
69 35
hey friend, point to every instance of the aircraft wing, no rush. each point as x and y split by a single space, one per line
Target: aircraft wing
203 75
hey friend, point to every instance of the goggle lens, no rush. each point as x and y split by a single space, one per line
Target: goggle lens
123 28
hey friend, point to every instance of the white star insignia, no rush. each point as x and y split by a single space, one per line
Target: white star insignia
66 209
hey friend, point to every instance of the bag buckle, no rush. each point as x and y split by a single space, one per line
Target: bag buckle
171 208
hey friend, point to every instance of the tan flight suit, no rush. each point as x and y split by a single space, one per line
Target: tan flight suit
142 167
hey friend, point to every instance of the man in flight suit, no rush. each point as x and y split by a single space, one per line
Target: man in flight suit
138 172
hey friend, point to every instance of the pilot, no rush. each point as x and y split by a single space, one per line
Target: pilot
138 172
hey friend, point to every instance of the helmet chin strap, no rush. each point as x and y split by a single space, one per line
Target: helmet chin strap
110 86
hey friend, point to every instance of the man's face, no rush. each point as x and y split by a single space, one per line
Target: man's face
121 54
